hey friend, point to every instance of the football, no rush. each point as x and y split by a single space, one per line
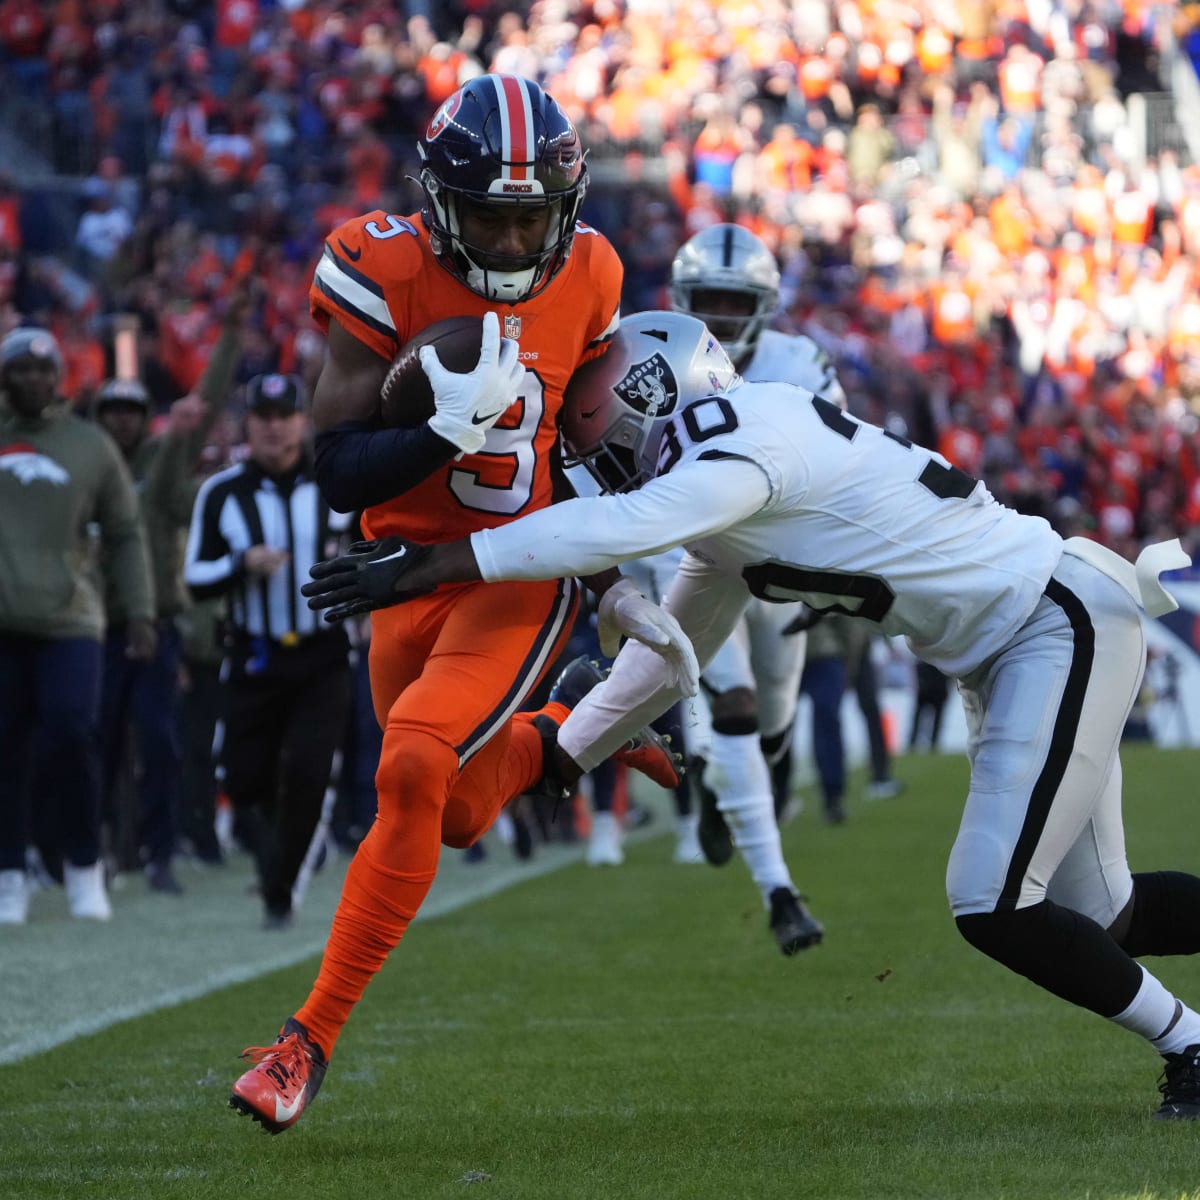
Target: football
406 396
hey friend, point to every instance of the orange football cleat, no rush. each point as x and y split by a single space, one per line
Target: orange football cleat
284 1080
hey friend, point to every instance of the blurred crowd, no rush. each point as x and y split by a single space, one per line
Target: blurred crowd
972 214
968 217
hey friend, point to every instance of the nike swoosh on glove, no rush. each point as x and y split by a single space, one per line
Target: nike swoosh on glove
467 406
625 612
369 575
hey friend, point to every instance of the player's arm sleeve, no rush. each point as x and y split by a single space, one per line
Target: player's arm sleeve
590 534
358 465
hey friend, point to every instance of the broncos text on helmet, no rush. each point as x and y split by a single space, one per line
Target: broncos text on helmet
501 140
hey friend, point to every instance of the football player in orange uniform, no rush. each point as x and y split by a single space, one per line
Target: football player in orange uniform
498 237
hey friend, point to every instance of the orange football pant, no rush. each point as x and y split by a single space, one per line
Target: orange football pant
448 673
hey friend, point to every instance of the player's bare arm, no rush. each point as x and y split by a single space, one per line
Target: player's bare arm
349 383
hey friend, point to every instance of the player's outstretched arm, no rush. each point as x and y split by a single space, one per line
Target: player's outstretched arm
383 572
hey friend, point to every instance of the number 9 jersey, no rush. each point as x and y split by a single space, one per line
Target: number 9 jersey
378 276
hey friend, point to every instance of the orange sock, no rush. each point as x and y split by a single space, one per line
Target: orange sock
387 881
372 916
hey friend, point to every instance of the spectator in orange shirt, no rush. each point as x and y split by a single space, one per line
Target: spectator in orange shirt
785 162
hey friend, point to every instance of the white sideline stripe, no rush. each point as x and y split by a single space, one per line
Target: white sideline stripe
547 860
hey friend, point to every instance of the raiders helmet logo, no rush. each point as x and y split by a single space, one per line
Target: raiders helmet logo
650 387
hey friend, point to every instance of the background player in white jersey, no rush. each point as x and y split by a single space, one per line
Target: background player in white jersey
729 279
779 494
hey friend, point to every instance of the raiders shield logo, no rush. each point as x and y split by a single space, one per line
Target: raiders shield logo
650 387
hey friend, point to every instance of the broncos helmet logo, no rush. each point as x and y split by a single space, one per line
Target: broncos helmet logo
29 464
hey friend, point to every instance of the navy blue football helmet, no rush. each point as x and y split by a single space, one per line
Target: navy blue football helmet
502 140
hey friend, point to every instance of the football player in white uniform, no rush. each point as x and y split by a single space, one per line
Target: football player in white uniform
728 278
777 493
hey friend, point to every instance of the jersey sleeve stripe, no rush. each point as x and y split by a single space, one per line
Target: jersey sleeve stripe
607 332
351 290
328 258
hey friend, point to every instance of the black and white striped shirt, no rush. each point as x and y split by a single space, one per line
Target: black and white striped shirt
241 507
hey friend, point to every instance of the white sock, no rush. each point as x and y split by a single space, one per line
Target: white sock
738 774
1162 1019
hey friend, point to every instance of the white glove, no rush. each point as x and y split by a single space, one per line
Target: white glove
625 612
469 405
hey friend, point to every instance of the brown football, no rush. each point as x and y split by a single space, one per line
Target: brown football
406 397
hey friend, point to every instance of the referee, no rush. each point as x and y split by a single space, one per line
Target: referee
256 529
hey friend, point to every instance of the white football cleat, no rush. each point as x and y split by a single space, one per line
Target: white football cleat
604 844
86 894
687 840
14 897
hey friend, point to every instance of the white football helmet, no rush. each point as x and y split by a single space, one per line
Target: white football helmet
730 259
617 404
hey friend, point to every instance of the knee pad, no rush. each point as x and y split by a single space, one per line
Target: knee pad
734 712
416 771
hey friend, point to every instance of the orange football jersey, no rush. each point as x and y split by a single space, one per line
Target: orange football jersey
379 278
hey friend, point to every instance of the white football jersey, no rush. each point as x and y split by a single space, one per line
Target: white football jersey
801 501
795 359
781 357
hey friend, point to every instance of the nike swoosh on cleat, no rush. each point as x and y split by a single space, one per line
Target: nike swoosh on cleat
285 1112
352 255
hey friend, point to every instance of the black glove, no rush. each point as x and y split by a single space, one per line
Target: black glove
369 575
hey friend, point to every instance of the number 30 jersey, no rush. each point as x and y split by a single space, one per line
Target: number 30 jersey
779 488
378 277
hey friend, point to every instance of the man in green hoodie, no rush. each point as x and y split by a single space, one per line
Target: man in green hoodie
60 477
146 693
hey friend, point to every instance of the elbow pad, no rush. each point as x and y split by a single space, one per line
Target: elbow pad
358 465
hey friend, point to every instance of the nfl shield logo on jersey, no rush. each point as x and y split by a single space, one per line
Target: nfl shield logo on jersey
650 387
512 326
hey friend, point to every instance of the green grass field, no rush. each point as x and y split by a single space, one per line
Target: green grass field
633 1032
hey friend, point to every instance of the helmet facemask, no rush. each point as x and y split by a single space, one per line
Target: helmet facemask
506 278
726 267
735 316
